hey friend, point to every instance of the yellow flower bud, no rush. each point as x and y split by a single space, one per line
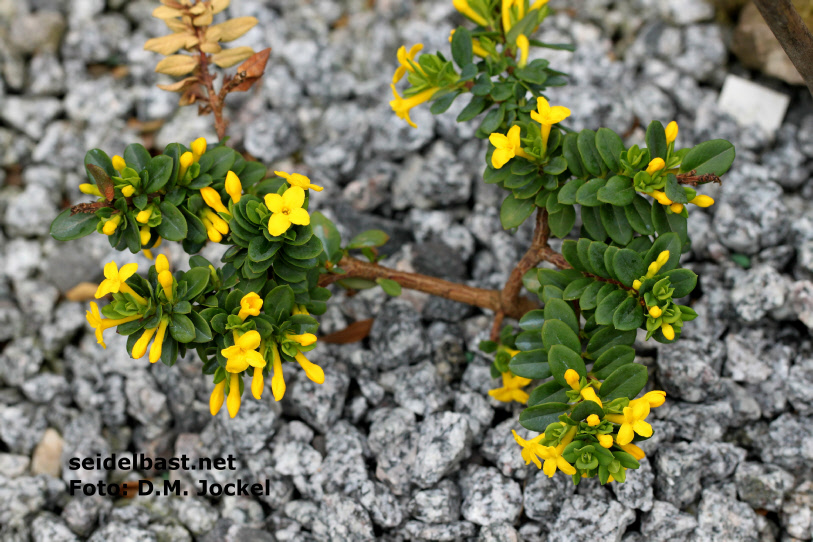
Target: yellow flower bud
661 197
214 235
677 208
128 191
655 398
144 216
606 441
702 201
572 378
593 420
523 45
158 344
212 199
90 189
110 226
668 331
663 257
198 148
118 163
217 223
233 186
655 165
233 402
185 161
161 263
140 347
216 398
257 383
250 305
636 284
145 235
166 281
671 132
655 311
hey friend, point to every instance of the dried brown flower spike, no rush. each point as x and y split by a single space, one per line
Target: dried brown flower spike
193 31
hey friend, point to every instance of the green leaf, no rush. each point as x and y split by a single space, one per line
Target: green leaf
557 309
529 340
585 409
173 225
515 211
683 281
612 359
674 191
557 332
474 108
492 120
181 328
203 333
610 146
667 241
562 222
539 417
609 254
160 170
196 231
549 392
591 220
130 234
279 304
589 153
326 231
575 289
390 287
561 358
587 194
217 162
639 215
530 364
587 301
99 158
628 266
253 172
136 156
570 250
656 140
67 228
715 157
560 279
556 166
307 251
462 47
606 308
196 280
595 254
606 338
626 381
615 222
532 320
629 315
369 238
618 191
669 223
443 103
570 150
567 194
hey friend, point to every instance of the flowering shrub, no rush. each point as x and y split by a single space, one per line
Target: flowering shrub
617 274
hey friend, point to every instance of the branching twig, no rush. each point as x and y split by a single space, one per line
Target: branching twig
794 36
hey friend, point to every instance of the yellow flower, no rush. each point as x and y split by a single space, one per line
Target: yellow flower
243 353
655 398
655 311
140 347
167 282
572 378
216 398
538 4
671 132
257 383
158 343
234 187
655 266
90 189
128 191
233 402
506 14
212 221
633 450
506 147
305 339
144 234
198 148
463 7
661 197
300 309
632 421
312 371
530 448
144 216
553 456
161 263
668 331
277 381
405 60
402 106
286 210
511 389
593 420
212 199
588 393
295 179
111 225
99 324
250 305
115 281
523 45
186 160
655 165
214 235
118 163
677 208
636 284
476 46
547 116
606 441
702 201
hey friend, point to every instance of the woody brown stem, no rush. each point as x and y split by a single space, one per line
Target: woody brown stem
792 32
215 103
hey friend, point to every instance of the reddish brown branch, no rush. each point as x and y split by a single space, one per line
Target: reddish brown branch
479 297
792 32
207 81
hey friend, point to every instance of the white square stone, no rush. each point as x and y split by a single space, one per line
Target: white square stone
751 104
